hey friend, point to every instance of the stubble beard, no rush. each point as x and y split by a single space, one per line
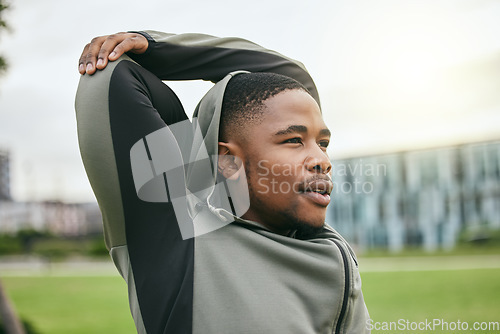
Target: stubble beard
293 223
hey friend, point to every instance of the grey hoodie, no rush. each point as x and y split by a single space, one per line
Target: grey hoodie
212 272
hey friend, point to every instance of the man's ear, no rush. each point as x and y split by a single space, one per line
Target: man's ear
228 163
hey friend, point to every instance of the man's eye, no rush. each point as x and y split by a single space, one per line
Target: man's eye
295 140
324 143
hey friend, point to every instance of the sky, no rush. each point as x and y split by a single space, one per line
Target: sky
392 75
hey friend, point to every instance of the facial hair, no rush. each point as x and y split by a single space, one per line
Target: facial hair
302 229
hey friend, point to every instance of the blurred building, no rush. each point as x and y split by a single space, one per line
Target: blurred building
4 176
63 219
423 198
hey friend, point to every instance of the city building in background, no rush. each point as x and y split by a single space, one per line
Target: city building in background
4 176
57 218
424 198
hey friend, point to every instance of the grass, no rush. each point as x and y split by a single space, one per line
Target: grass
99 304
76 305
451 295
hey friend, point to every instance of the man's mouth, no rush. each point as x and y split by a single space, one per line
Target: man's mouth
323 186
321 192
318 190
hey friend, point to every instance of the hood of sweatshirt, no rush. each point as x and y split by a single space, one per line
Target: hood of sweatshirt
204 188
201 174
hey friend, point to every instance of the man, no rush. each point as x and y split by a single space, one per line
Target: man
217 227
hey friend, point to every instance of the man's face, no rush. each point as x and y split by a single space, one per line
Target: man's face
287 167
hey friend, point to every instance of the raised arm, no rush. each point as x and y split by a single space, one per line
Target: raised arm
191 56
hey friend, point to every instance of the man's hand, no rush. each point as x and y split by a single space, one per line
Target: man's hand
96 54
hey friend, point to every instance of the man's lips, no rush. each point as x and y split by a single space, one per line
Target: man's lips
318 190
322 185
322 200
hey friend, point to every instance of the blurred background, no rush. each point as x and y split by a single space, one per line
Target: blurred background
409 89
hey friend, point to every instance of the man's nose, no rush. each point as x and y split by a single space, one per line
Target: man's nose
318 161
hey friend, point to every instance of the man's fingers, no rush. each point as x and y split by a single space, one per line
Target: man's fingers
107 47
132 42
96 54
111 48
90 54
114 46
81 61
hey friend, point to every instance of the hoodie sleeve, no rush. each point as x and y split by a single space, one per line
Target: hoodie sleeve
199 56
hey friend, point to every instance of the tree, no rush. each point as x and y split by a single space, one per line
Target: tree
9 318
3 26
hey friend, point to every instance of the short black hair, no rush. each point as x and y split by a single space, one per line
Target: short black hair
244 96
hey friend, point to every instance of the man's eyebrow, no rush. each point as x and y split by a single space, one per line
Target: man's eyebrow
292 129
325 133
301 129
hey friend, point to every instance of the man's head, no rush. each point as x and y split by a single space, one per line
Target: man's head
275 129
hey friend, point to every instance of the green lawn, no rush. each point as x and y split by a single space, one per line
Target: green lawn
451 295
72 305
99 304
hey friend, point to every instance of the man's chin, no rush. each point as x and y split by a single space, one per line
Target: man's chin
307 230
